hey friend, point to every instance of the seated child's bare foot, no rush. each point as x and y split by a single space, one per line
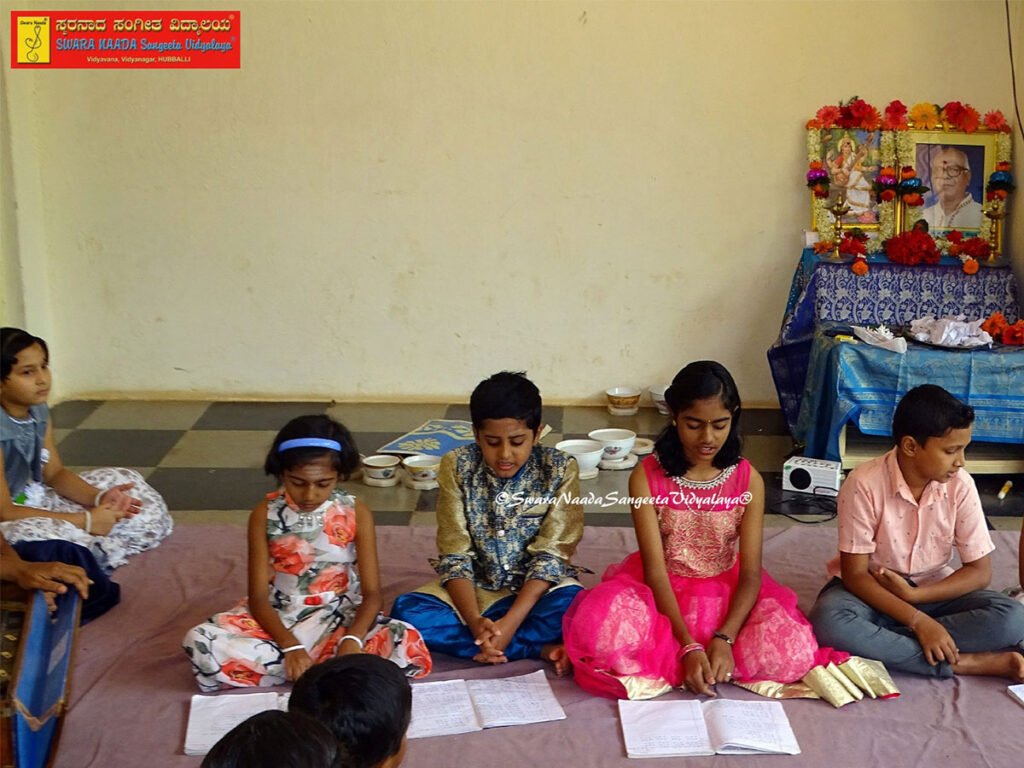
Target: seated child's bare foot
1008 664
490 658
558 656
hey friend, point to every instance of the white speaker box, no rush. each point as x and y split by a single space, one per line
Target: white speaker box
814 476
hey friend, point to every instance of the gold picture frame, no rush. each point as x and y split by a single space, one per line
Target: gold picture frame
852 157
955 199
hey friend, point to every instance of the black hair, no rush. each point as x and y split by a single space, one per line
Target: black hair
324 427
506 395
364 700
12 342
929 411
276 739
700 381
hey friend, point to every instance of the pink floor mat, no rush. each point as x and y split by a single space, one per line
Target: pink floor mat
131 684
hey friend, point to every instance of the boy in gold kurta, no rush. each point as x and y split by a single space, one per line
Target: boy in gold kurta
508 522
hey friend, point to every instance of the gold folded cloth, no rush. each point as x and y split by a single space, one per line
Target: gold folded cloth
839 685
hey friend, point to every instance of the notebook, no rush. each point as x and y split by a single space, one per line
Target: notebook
210 717
685 728
449 707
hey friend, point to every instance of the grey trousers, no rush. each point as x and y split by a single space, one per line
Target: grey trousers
982 620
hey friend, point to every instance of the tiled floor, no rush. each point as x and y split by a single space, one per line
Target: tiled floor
206 458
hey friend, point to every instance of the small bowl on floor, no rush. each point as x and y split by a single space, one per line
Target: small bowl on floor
422 468
382 470
623 401
617 442
658 398
586 452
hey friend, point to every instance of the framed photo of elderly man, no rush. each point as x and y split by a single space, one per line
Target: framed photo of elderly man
954 167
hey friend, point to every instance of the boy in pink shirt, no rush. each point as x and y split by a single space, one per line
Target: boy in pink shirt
894 595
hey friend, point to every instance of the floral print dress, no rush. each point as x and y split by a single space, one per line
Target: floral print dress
315 591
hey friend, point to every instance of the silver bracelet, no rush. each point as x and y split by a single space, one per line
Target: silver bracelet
358 641
88 521
291 648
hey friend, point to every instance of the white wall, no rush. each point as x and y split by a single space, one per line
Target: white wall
393 200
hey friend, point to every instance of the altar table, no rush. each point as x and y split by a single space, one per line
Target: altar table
824 291
861 384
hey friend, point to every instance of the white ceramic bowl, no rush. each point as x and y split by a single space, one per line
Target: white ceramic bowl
617 442
422 468
658 397
381 467
586 452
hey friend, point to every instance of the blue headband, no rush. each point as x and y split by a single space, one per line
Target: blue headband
309 442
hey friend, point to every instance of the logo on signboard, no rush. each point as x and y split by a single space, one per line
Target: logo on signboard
33 33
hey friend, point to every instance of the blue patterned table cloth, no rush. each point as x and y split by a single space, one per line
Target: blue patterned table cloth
859 383
823 291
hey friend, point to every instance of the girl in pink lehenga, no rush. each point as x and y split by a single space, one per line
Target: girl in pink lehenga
687 609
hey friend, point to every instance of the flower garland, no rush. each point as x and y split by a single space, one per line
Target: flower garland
910 189
954 116
898 151
969 251
912 248
1002 331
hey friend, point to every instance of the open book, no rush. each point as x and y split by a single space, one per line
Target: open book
460 706
210 717
685 728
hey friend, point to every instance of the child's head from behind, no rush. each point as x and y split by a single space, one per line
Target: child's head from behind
24 369
364 700
309 456
276 739
705 428
506 413
931 429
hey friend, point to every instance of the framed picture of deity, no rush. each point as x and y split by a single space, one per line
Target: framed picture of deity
954 167
851 158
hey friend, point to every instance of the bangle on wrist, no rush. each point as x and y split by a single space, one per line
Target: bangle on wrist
722 636
690 649
88 521
357 640
99 498
291 648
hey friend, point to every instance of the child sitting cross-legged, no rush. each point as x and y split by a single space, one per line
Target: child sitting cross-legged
508 522
893 596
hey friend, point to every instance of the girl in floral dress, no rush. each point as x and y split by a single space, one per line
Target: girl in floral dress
314 585
693 607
